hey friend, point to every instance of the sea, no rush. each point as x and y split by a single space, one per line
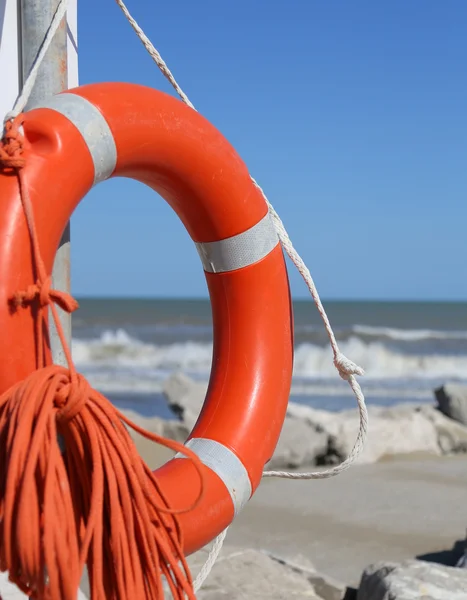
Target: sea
127 348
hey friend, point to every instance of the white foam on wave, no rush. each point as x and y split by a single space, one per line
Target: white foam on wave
408 334
381 362
119 349
115 351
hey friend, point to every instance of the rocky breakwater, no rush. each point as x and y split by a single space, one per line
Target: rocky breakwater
412 580
313 437
253 574
258 575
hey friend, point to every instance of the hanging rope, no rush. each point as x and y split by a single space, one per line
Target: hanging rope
98 503
345 367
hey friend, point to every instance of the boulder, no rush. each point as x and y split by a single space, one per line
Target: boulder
317 437
252 574
300 444
185 397
395 430
412 580
451 435
172 429
9 591
324 586
462 561
452 401
323 420
392 431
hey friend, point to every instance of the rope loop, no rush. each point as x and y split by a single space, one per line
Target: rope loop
11 146
42 290
71 395
346 367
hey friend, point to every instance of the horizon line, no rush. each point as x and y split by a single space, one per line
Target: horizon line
299 299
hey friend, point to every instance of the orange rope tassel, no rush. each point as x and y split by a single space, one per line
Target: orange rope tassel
97 503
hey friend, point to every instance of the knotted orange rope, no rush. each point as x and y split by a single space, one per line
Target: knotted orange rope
97 503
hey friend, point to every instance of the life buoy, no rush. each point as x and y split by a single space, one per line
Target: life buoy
82 137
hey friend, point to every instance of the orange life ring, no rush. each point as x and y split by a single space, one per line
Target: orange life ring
94 132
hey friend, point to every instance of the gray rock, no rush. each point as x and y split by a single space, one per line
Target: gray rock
462 562
412 580
185 397
323 420
324 586
401 429
300 444
9 591
172 429
452 401
311 436
175 430
451 435
241 574
396 430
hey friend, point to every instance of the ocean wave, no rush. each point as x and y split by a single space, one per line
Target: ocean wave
115 350
381 361
408 335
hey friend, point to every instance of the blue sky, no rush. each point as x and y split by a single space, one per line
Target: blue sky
351 115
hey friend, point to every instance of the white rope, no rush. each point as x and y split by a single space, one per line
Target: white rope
28 85
211 559
154 54
346 368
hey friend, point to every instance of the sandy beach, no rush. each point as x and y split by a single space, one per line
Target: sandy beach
396 509
389 511
404 506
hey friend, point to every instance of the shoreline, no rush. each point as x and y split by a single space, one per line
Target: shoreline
400 502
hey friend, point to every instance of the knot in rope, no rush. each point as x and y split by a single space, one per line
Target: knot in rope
71 396
44 292
11 145
346 367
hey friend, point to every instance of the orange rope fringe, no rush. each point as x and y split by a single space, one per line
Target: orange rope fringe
98 503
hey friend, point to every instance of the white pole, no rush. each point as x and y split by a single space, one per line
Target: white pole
10 54
17 54
72 43
10 64
11 77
